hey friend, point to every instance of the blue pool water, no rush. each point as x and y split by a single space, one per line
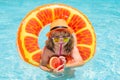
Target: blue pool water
104 16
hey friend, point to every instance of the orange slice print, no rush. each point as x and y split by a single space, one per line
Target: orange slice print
36 20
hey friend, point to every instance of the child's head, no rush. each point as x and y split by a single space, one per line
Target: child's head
60 33
58 37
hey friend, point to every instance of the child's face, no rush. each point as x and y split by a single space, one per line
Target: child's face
60 37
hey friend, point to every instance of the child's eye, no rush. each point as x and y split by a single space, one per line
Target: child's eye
64 36
56 36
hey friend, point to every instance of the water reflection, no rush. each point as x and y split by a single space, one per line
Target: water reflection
68 74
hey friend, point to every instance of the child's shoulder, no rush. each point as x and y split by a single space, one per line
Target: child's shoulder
75 49
46 50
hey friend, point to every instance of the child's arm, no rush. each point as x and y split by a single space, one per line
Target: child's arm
45 60
45 68
77 59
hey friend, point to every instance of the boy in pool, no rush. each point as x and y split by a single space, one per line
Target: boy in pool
61 43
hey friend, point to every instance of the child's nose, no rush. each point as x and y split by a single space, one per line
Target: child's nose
61 39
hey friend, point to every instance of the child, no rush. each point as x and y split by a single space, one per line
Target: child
61 43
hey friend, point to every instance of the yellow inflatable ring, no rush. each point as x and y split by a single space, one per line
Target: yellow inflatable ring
33 23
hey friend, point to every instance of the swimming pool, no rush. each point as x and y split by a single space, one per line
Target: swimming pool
104 16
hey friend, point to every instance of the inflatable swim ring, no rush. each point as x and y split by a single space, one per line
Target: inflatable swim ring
36 20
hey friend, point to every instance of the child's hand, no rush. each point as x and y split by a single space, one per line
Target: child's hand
61 67
63 59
